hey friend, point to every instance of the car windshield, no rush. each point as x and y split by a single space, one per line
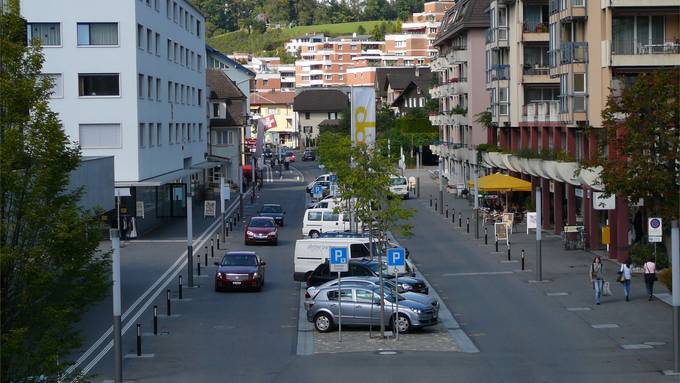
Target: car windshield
239 260
271 209
389 296
261 223
374 267
397 181
390 285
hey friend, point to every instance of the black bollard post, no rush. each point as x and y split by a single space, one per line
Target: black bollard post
212 248
167 301
522 259
508 250
218 243
206 257
486 236
497 246
198 268
447 211
139 339
467 225
226 230
453 216
180 287
231 223
155 319
430 200
460 220
435 206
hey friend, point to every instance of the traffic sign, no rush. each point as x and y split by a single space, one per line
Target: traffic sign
317 191
396 259
338 259
655 227
333 177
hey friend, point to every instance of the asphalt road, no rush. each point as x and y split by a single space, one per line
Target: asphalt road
252 337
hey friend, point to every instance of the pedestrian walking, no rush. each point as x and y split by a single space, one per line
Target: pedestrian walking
650 276
625 273
597 277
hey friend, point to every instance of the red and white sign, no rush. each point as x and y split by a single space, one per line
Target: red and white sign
268 122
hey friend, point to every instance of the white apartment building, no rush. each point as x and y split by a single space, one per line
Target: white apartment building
129 83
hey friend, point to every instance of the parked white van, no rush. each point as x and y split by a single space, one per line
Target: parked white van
399 186
319 220
310 253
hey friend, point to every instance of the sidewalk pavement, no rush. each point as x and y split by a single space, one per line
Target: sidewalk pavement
555 318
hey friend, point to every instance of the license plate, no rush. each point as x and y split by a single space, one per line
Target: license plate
236 283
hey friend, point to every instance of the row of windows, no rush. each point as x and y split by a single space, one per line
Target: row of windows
178 54
151 134
150 88
88 34
179 15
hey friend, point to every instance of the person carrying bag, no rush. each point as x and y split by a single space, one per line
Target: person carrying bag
625 274
650 276
596 273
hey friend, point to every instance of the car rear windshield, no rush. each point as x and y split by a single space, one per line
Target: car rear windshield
239 260
261 223
397 181
271 209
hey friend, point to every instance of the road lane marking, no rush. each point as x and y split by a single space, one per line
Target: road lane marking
578 309
476 273
556 294
605 325
635 346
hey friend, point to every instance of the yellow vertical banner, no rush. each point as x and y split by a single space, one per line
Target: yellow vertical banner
363 115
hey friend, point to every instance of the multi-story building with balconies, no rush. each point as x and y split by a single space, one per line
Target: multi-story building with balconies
460 88
551 66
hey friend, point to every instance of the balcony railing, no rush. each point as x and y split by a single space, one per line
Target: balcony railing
496 34
535 27
630 48
541 111
536 70
499 72
574 103
573 52
555 6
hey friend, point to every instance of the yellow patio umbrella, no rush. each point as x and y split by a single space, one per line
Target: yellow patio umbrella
498 182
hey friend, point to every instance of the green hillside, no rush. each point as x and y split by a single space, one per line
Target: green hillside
274 39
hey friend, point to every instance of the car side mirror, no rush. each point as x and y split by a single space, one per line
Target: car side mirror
216 263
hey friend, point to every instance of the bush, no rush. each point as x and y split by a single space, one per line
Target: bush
666 277
640 252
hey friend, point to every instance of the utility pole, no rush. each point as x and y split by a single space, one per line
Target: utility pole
222 204
539 260
117 346
476 197
675 266
190 234
441 186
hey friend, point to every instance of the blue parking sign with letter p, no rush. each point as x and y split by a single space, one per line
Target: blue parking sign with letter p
338 259
396 259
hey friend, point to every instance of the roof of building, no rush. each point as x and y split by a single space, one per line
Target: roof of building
272 98
399 77
425 91
465 14
231 61
321 100
221 86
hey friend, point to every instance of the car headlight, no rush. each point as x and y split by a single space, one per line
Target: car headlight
417 311
272 233
255 275
250 232
406 286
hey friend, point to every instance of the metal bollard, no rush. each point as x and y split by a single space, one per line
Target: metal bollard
447 211
508 250
226 230
180 287
212 248
430 200
460 220
198 268
486 236
231 223
453 216
497 246
522 259
155 319
139 339
206 257
167 301
218 243
467 225
435 206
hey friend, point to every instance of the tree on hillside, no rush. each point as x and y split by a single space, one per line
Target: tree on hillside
49 272
640 152
405 8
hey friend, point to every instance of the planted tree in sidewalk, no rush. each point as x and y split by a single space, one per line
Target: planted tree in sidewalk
640 149
49 273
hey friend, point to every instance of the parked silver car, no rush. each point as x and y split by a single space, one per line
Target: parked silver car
372 282
361 307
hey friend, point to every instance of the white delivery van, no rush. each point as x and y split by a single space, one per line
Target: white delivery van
326 203
399 186
319 220
310 253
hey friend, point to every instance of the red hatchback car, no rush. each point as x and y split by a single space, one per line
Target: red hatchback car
240 269
261 230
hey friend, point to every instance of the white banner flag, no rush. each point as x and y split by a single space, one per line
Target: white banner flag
363 115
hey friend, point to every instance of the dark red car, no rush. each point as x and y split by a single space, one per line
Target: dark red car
261 230
240 269
291 156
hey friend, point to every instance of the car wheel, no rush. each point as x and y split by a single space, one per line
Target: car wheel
323 322
217 289
275 243
259 287
403 325
314 234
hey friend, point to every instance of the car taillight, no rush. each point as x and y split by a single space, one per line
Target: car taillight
307 296
309 280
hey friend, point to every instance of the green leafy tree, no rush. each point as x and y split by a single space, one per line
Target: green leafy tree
640 149
49 270
361 30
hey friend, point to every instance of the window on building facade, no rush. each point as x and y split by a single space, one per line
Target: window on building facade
171 126
177 132
151 131
149 40
169 50
176 53
503 101
142 134
140 36
140 85
580 92
332 116
198 28
306 115
200 97
97 34
158 44
49 34
98 84
158 89
170 91
200 131
91 136
168 9
159 130
57 88
181 16
216 110
149 87
199 63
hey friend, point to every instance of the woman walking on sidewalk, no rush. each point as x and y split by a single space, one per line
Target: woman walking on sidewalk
625 273
597 277
650 276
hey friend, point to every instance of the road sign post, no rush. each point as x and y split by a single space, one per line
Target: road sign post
396 262
339 263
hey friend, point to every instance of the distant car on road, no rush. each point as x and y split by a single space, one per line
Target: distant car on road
363 309
274 211
399 186
261 230
308 155
240 269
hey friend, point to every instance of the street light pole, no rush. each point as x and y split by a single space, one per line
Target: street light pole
476 191
675 265
117 347
539 260
441 186
190 234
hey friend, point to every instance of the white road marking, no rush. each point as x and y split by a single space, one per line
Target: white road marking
556 294
605 325
578 309
476 273
635 346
